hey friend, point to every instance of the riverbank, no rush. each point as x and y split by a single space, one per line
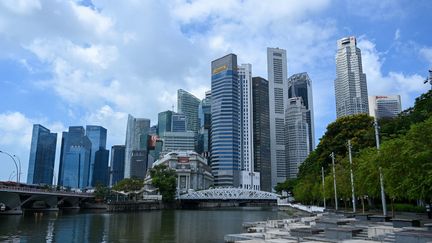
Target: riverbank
337 227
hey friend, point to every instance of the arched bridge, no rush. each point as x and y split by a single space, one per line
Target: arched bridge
229 193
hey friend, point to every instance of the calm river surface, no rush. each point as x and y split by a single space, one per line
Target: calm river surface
145 226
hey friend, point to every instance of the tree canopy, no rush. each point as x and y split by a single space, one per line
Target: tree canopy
165 180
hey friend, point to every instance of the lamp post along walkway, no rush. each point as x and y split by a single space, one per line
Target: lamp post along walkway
352 177
383 199
334 180
16 165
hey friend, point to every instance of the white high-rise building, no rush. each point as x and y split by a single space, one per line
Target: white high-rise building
350 83
278 98
296 135
248 178
385 106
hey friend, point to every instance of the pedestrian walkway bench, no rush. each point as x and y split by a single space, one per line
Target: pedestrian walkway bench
305 232
340 233
379 218
362 217
331 223
399 223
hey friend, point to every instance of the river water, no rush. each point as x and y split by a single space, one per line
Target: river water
146 226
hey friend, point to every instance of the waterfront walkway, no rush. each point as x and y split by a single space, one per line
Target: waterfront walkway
338 227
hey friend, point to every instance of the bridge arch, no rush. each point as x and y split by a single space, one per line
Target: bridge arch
228 193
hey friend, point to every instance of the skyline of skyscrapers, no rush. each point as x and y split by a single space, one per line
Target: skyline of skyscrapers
278 98
225 121
42 156
350 83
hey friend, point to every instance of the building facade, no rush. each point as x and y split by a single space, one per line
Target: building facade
75 154
164 122
187 104
278 97
173 141
225 121
350 83
117 163
249 179
178 123
261 132
99 165
296 135
191 169
385 106
204 139
300 85
136 147
42 156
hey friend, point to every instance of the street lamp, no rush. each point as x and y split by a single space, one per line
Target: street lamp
16 165
19 164
383 199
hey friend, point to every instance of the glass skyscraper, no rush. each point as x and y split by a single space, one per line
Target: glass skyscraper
300 85
164 122
75 158
187 104
225 121
42 156
350 83
178 122
117 163
296 135
261 131
99 155
136 147
278 97
204 139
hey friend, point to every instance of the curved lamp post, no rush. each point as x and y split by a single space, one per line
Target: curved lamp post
19 165
16 165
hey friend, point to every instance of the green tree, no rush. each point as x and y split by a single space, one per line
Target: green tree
101 191
128 185
288 185
165 180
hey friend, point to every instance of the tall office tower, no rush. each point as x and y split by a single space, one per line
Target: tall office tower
183 141
188 105
248 178
300 85
136 147
296 135
164 122
204 139
42 156
75 158
117 163
99 165
178 122
385 106
350 83
225 121
261 131
278 96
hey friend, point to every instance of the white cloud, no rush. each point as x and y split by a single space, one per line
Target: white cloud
22 6
391 83
397 35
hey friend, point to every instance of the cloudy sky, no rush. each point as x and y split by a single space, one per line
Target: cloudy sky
65 62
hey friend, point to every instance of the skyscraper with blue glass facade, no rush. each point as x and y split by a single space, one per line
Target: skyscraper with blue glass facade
75 158
42 156
117 163
187 104
99 155
178 122
225 121
136 153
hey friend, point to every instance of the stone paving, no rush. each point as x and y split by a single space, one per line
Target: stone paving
337 227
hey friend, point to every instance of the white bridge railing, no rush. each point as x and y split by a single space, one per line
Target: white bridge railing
228 193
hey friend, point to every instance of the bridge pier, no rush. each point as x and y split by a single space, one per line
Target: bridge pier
12 203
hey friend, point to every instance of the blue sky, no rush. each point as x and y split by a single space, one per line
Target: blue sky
69 63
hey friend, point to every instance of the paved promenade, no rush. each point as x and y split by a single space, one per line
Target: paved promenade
338 227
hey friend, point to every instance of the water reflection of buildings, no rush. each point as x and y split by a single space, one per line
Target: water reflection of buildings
192 170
